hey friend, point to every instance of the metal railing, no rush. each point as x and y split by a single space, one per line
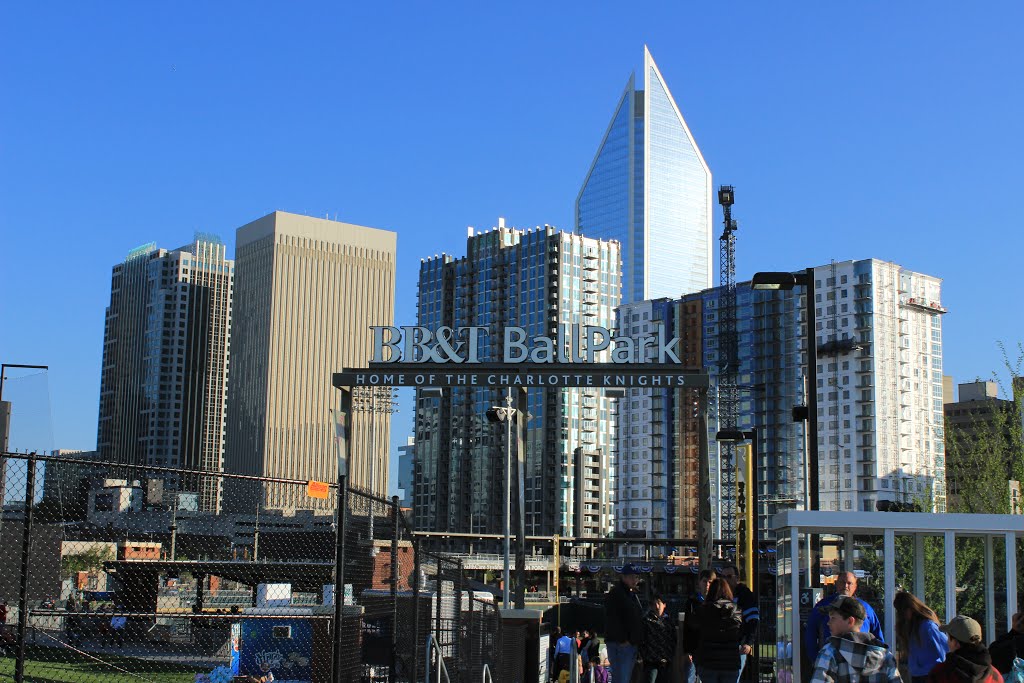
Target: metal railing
434 648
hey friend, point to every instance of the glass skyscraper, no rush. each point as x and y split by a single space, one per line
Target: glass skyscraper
649 188
542 280
166 350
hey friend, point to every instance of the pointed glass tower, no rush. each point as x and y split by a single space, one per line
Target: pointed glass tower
650 188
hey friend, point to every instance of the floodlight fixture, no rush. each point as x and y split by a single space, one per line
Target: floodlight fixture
734 435
773 281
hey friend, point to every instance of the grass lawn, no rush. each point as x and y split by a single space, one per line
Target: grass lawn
57 665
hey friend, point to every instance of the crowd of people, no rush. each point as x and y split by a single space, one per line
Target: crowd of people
642 645
591 659
842 641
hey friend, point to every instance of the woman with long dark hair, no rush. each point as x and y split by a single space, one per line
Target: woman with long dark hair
918 639
721 634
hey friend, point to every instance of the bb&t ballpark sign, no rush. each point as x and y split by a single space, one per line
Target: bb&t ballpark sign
577 356
573 344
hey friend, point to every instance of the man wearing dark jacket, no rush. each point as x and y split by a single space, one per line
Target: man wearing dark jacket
1008 646
968 660
691 623
624 623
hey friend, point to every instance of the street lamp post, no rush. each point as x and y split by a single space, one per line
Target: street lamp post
786 281
506 414
809 411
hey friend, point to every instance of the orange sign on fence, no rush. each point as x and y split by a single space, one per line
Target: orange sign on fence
318 489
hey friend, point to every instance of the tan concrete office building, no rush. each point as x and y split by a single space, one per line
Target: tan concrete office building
307 291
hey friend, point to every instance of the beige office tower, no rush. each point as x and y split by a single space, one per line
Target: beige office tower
307 291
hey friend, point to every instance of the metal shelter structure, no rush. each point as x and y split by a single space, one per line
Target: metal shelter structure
913 550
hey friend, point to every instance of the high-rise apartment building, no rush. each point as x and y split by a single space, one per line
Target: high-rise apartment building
647 471
541 280
165 363
649 188
879 398
308 290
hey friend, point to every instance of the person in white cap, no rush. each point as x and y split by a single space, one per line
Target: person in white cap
968 660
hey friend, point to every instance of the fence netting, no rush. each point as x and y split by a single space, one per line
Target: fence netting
111 572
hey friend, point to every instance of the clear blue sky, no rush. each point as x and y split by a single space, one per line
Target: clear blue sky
888 130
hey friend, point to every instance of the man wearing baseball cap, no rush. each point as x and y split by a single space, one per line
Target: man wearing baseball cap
850 655
968 660
624 624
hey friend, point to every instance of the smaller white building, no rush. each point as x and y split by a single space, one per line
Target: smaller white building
115 496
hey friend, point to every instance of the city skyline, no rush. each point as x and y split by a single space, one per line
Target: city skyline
831 148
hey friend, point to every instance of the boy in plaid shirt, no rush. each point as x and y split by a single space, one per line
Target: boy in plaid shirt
850 656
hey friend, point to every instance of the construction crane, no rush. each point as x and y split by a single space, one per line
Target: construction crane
728 364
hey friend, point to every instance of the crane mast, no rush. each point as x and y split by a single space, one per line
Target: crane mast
728 365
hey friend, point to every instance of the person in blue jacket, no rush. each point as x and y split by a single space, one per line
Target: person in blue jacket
919 641
817 634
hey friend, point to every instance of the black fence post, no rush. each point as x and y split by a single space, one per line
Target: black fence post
26 547
394 590
415 610
474 629
339 580
339 550
457 632
438 600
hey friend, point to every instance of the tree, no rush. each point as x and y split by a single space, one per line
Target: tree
986 450
91 560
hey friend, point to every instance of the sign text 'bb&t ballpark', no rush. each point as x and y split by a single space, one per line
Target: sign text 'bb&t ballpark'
577 356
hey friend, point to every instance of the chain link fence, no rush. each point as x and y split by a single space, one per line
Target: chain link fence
112 572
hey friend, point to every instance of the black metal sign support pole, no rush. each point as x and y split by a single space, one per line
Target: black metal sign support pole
344 457
394 589
26 547
457 632
415 581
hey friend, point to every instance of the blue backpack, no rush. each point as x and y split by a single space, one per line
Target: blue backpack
1016 674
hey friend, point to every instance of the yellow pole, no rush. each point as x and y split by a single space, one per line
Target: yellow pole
558 603
745 520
